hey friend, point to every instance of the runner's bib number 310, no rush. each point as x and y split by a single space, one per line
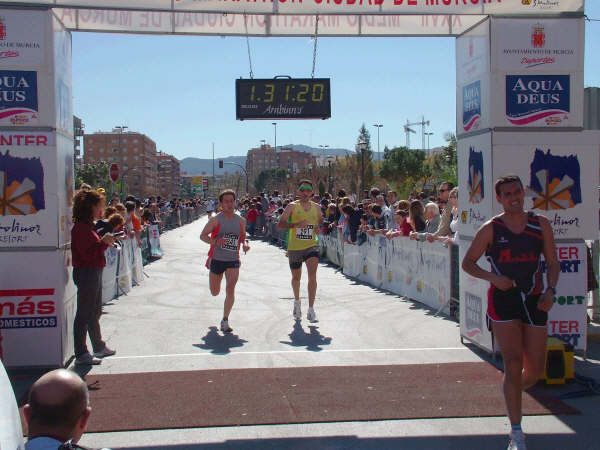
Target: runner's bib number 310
305 234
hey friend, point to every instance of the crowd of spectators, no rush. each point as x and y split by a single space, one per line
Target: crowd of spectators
422 216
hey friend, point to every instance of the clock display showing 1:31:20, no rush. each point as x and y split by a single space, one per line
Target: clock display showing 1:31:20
287 92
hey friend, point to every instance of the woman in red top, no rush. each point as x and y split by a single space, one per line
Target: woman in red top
87 249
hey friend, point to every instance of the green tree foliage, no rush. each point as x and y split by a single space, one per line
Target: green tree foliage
268 178
96 175
443 166
365 136
403 166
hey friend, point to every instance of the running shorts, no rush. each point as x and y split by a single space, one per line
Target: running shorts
297 257
218 267
513 304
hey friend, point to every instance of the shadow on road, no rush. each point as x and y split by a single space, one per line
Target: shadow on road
312 341
220 344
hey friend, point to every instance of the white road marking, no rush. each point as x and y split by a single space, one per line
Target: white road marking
274 352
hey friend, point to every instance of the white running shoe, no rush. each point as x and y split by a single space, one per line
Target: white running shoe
517 441
87 360
311 315
225 328
297 310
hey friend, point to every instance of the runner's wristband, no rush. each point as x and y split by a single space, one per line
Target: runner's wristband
553 289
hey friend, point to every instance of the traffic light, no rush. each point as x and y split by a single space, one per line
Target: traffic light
220 164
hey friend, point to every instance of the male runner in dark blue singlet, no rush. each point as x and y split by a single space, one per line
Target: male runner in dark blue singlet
517 303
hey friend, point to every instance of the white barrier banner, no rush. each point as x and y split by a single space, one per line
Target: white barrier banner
138 266
109 274
352 260
154 239
124 276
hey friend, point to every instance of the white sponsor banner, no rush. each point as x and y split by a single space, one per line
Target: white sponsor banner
11 430
264 25
124 275
28 185
109 274
473 54
500 7
567 320
22 38
65 186
476 187
538 45
533 99
37 308
559 172
473 303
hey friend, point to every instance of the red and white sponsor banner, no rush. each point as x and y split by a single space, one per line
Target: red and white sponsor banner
538 45
567 320
37 308
22 38
500 7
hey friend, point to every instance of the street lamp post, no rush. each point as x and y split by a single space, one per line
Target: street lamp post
362 145
428 134
330 186
121 129
378 125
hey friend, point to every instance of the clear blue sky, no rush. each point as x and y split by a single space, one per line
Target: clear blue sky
179 90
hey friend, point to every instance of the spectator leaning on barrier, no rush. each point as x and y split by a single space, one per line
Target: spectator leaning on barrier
386 212
453 202
87 250
444 227
353 217
251 218
392 199
416 216
432 216
401 227
57 411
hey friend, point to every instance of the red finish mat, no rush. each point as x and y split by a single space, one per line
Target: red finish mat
299 395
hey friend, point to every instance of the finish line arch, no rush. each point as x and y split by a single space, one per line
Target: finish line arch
519 98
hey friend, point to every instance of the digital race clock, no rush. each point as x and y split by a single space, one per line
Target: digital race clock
282 98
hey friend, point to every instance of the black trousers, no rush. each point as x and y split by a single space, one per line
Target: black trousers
89 308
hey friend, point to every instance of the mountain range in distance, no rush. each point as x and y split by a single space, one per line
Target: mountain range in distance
200 166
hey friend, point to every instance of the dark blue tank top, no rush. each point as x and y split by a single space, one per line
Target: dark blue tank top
517 256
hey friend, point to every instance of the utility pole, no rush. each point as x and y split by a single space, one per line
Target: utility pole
378 125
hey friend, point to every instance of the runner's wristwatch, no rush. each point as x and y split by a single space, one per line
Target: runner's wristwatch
553 289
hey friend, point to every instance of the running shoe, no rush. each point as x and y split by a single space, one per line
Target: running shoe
105 352
225 328
311 315
517 441
297 310
87 360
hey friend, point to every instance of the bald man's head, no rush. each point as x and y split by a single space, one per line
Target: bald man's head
58 401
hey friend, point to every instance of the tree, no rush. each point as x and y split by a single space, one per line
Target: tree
403 166
96 175
270 176
443 166
365 136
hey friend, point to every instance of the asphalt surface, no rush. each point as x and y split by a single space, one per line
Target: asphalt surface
169 324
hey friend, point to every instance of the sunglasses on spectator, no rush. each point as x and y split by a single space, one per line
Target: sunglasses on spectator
444 190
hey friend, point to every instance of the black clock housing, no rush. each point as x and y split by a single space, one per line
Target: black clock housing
282 98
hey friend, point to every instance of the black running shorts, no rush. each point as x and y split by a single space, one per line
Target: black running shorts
218 267
297 257
515 305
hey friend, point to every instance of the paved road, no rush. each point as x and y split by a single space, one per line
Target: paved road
169 324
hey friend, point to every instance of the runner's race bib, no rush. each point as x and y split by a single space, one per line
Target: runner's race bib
305 234
230 241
